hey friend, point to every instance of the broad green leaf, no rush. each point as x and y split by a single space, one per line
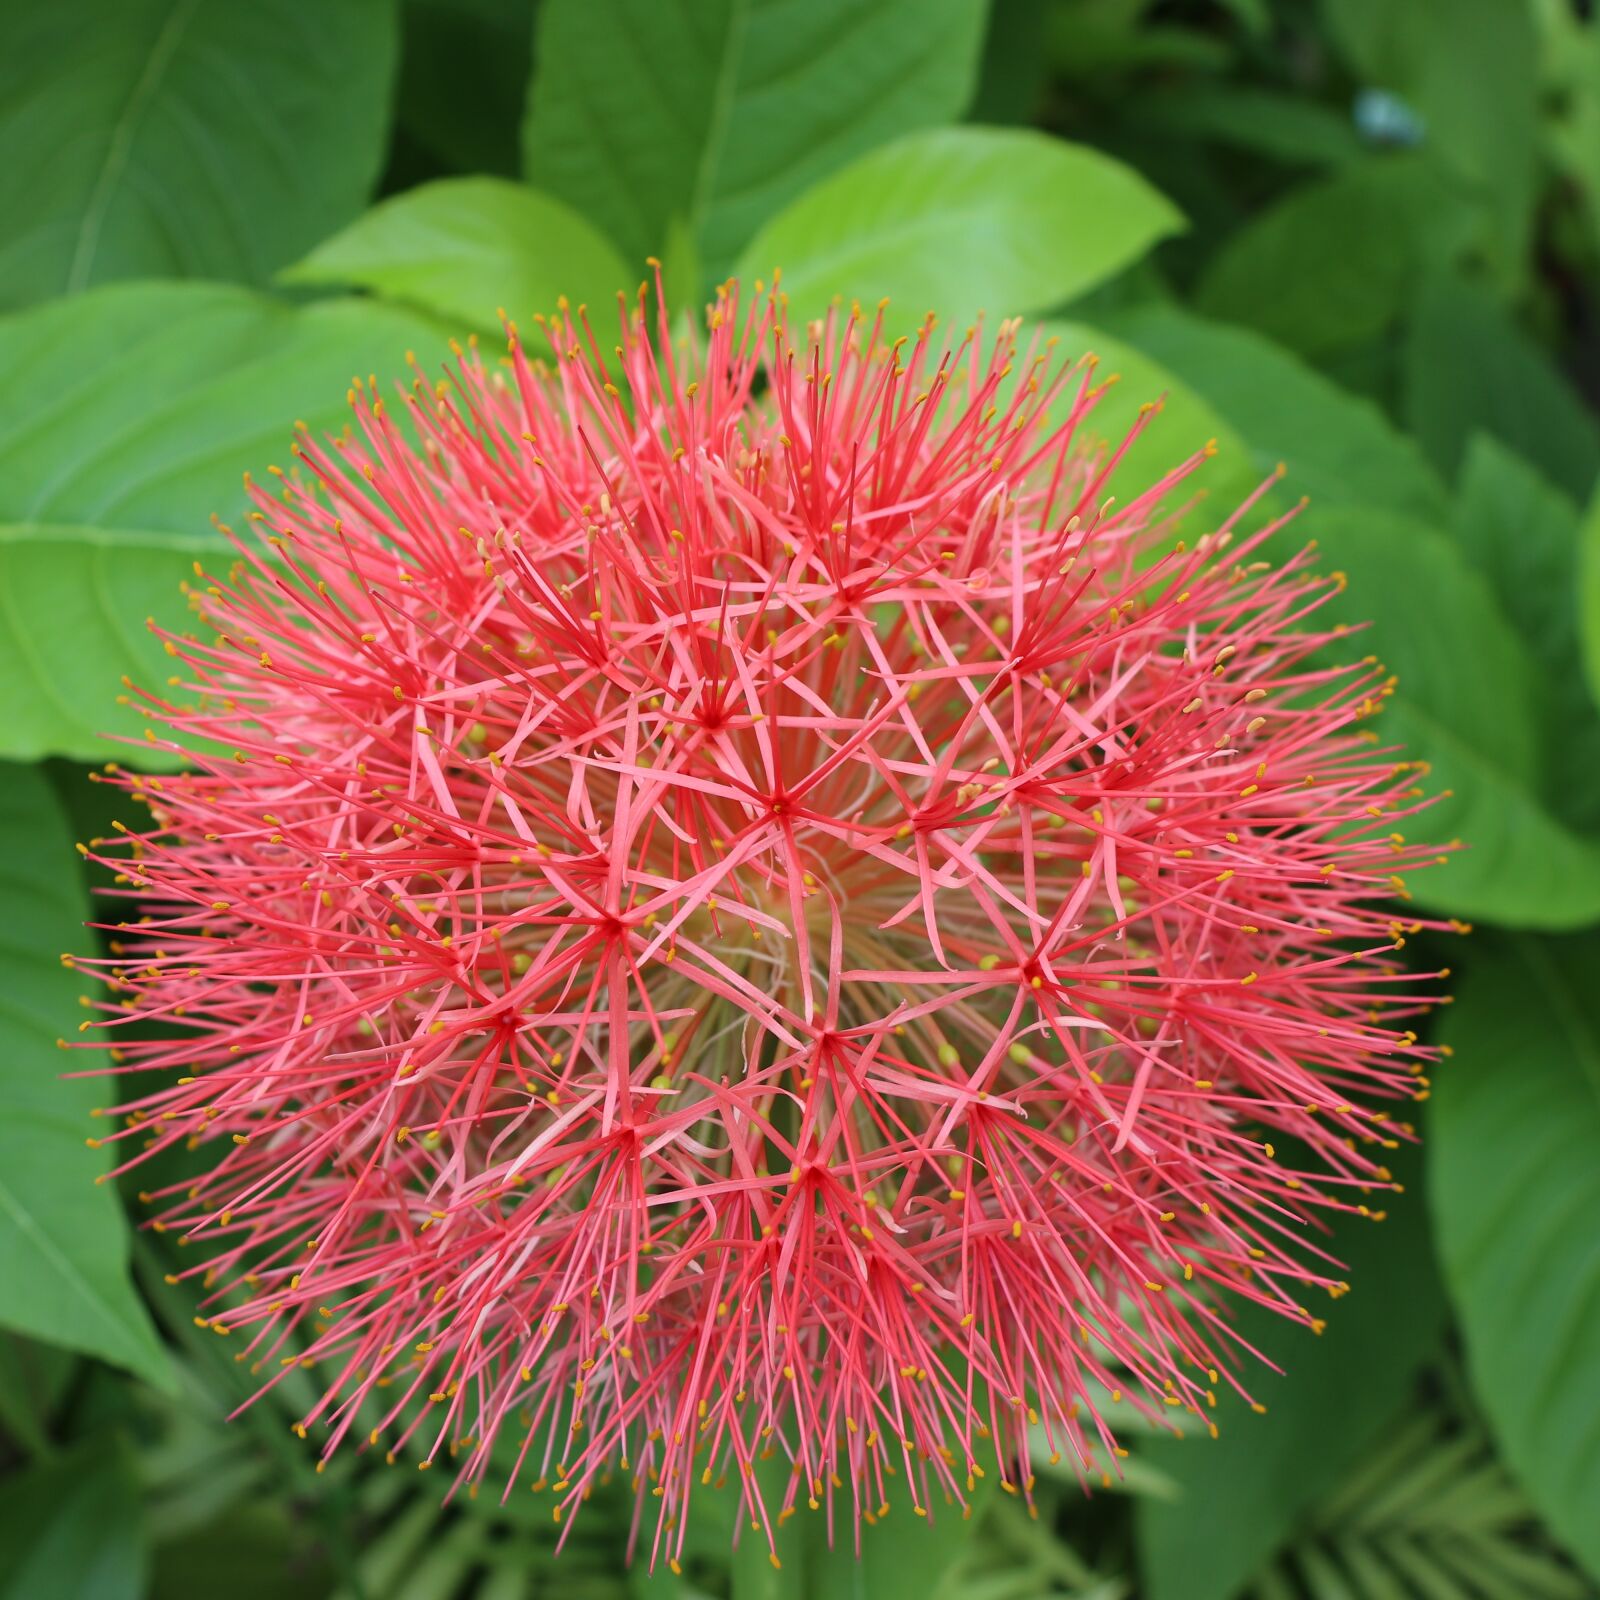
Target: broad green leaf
1515 1187
183 138
470 249
961 220
137 408
127 420
1184 424
73 609
1244 1491
72 1529
1469 368
1450 59
1522 534
1468 703
1337 449
63 1241
721 111
1334 262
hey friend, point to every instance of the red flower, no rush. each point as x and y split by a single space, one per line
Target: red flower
754 909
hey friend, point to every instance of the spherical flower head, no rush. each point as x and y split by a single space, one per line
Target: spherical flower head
732 902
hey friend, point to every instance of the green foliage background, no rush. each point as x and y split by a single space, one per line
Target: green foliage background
1359 237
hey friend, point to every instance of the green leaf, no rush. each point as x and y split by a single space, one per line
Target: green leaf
1450 59
486 44
181 138
902 1558
1588 587
73 604
468 249
1283 127
1469 368
138 407
1337 449
961 220
1184 424
63 1242
1521 533
251 1552
126 422
1428 1511
1515 1188
1245 1490
71 1529
1468 703
1571 121
720 111
1333 263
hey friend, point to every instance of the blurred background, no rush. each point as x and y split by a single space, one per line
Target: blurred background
1358 237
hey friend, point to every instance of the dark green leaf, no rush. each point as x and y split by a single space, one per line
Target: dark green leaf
70 1530
1522 535
63 1242
1337 449
1468 703
720 111
1469 369
961 220
1451 60
464 67
469 249
1588 587
1244 1491
1515 1188
1184 424
1284 127
183 138
1335 261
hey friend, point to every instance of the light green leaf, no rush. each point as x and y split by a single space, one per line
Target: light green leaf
1521 533
72 1529
1244 1491
183 138
1515 1187
1468 703
63 1242
1337 449
962 220
1469 368
720 111
1334 262
469 249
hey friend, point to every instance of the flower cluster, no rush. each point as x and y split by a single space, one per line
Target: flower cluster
730 901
